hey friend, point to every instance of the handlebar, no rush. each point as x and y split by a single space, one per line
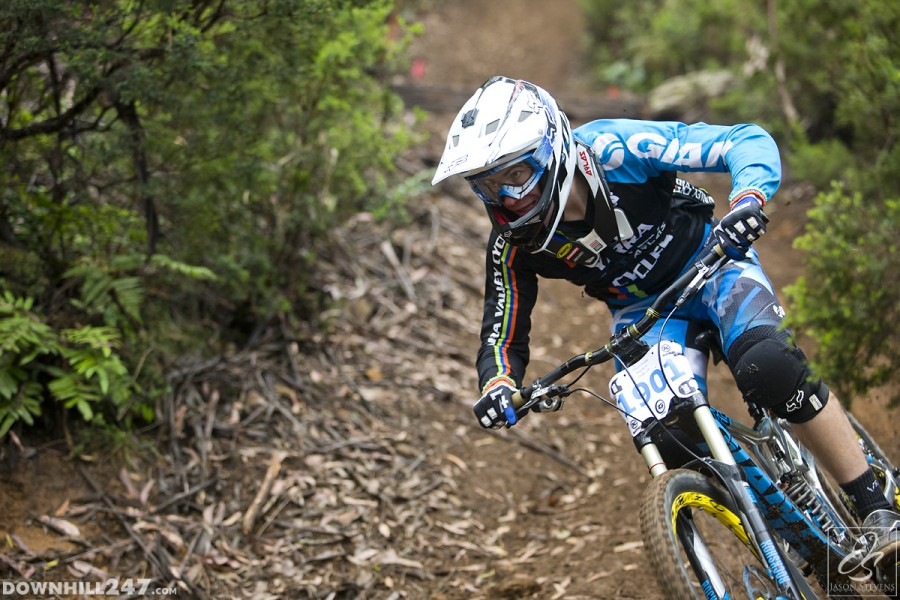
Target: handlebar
680 291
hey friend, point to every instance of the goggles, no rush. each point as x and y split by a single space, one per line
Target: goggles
512 180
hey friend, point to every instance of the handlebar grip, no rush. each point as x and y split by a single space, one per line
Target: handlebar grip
715 253
518 399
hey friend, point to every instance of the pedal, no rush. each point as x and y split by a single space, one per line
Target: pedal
757 583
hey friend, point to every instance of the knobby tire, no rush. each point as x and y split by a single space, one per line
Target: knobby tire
662 506
691 499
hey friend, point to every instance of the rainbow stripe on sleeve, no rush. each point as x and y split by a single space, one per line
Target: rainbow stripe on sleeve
510 312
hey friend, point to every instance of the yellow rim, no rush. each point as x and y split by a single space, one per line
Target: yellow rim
720 512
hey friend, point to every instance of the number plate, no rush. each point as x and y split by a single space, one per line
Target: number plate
647 388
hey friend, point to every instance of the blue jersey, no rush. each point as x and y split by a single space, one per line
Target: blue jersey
637 151
668 220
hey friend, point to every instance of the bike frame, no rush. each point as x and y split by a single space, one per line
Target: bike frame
793 525
759 499
764 506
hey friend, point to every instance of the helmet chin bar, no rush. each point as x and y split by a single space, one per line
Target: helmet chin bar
607 225
555 200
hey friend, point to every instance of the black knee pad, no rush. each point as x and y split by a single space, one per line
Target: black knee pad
771 372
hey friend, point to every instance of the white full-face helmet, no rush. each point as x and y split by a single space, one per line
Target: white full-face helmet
509 121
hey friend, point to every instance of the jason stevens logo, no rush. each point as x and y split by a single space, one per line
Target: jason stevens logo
859 574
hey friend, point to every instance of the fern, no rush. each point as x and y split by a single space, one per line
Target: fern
110 291
24 340
83 365
24 406
107 294
174 266
97 368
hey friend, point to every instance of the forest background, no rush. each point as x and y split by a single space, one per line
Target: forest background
173 172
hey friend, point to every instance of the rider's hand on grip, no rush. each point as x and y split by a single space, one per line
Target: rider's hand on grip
495 408
741 227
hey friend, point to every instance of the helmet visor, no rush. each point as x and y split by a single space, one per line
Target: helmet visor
509 180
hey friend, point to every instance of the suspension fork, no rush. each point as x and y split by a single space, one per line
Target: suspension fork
730 474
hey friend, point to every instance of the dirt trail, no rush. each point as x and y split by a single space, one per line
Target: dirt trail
546 510
467 41
587 529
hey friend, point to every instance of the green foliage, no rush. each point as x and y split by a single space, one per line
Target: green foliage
78 367
171 172
848 301
824 77
849 297
637 45
820 163
91 371
23 338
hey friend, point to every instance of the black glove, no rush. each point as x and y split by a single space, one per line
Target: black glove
741 227
495 409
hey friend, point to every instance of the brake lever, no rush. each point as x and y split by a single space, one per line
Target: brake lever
703 273
548 392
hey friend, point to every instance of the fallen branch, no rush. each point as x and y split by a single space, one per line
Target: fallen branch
151 556
388 250
274 468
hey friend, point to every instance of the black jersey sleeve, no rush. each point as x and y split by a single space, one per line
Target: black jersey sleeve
509 297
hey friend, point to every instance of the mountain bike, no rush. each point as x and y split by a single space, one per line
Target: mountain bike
731 511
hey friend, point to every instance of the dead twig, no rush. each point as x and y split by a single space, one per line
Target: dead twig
252 512
162 570
388 250
175 499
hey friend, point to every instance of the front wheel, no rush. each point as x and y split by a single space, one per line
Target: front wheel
696 542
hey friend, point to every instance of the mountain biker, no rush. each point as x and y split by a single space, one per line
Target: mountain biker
602 206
